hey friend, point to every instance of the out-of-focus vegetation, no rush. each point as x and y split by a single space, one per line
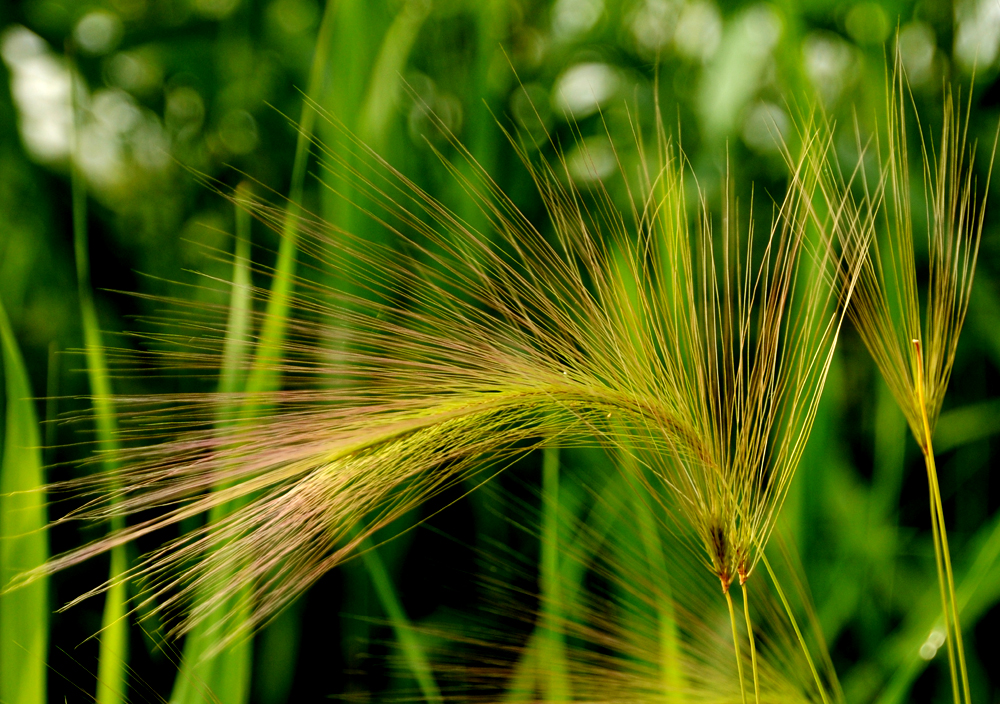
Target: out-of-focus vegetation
164 91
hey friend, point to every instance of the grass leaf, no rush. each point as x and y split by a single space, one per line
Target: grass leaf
408 639
224 676
551 641
112 686
959 426
24 613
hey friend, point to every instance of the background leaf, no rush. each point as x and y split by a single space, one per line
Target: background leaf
24 613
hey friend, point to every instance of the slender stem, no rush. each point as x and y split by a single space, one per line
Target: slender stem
798 631
942 555
942 585
949 577
736 646
753 647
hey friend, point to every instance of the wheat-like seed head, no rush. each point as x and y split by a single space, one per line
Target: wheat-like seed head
748 329
409 368
915 353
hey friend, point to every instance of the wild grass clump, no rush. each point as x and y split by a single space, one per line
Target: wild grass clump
698 351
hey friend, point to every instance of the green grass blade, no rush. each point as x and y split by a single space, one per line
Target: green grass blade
24 614
890 461
984 312
960 426
671 671
555 684
409 642
236 345
112 664
263 375
382 95
592 531
522 683
485 94
278 645
366 103
542 667
225 677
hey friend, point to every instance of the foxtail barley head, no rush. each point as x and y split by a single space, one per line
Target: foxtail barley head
915 352
456 348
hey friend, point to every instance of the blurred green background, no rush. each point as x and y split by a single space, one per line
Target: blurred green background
172 87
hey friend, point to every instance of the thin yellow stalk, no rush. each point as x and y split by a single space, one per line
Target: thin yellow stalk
753 647
942 555
956 623
736 646
942 578
795 627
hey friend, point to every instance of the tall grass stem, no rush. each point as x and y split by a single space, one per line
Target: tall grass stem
946 579
795 627
736 646
753 647
112 663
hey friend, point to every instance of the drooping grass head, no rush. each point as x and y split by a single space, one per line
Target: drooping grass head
413 365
